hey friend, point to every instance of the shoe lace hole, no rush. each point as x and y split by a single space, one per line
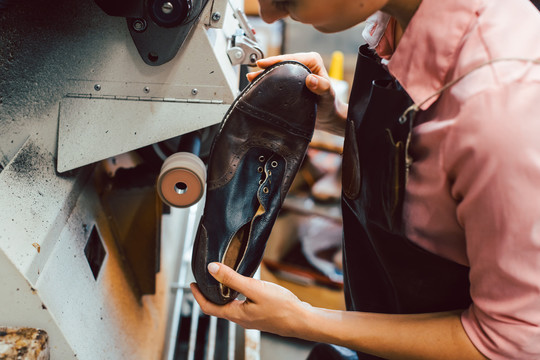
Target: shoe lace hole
261 158
274 164
260 169
265 190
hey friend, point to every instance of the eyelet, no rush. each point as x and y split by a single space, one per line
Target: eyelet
261 158
260 169
274 164
265 190
269 173
260 182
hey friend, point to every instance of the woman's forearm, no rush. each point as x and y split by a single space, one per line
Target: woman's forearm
271 308
391 336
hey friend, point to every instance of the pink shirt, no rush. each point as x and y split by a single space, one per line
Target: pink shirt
473 192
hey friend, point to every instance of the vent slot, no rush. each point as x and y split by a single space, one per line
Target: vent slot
95 252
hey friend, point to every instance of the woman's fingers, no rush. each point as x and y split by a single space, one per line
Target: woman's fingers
230 278
312 60
206 305
318 84
252 75
331 112
232 311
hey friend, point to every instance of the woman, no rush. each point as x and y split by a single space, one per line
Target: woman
441 199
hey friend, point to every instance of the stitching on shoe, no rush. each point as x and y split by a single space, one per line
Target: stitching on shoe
274 120
225 178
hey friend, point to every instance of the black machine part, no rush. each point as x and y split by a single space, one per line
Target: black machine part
158 28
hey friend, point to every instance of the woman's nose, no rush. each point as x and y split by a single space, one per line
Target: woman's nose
269 13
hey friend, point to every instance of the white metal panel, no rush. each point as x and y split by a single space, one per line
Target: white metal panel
94 129
34 206
102 318
21 306
128 104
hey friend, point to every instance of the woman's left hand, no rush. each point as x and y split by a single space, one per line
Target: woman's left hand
268 307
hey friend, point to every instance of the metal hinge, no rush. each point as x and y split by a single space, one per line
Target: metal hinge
142 98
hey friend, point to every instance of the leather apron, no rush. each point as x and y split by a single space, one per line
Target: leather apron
384 271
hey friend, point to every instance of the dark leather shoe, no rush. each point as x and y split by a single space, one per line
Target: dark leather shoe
255 155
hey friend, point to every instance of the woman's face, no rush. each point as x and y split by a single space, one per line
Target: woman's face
325 15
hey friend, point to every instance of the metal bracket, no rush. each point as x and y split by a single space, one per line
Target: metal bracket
244 49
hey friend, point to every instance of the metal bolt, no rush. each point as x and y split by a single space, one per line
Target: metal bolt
146 89
139 25
216 16
97 87
194 91
167 8
239 54
253 58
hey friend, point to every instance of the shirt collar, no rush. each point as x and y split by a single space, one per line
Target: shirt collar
427 51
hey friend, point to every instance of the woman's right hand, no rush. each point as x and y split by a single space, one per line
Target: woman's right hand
331 112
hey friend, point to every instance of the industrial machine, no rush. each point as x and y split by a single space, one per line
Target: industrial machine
95 95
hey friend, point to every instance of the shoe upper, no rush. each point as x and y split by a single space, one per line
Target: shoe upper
256 154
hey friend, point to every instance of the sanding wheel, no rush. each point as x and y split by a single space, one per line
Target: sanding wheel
181 180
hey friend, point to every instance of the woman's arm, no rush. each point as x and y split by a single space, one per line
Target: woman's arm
271 308
331 112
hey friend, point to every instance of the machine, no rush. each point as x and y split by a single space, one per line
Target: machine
95 95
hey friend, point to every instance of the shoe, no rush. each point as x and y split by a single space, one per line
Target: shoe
257 152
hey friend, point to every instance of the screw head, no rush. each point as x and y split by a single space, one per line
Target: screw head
97 87
167 8
239 54
139 25
194 91
216 16
146 89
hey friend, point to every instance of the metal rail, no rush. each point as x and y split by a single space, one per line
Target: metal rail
193 335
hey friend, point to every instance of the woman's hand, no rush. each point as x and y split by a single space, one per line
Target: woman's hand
268 307
331 112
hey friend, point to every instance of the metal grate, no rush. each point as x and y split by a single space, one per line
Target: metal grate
194 335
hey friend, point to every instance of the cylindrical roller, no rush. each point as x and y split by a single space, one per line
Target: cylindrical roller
182 180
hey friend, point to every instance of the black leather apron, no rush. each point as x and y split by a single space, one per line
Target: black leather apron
384 271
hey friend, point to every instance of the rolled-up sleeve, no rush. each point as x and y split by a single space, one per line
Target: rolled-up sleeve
492 157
